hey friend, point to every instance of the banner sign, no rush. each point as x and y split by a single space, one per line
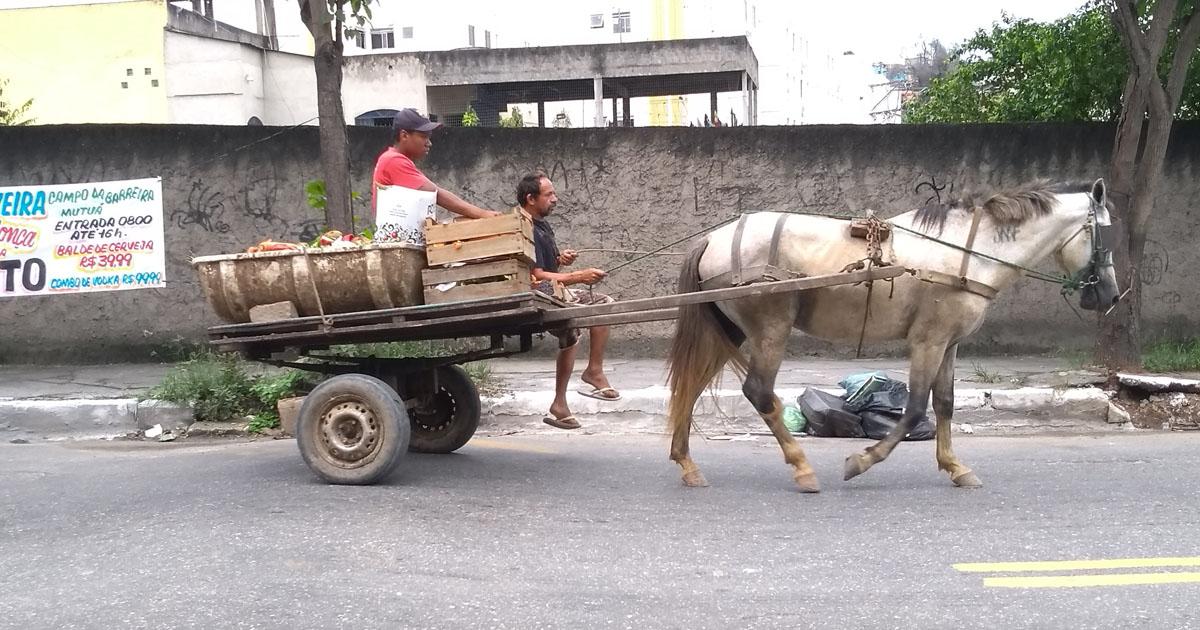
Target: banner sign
77 238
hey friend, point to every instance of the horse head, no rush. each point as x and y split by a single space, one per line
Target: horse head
1085 256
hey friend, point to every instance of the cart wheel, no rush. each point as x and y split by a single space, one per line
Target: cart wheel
352 430
450 422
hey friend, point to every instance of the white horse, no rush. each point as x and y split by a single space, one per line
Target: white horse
962 255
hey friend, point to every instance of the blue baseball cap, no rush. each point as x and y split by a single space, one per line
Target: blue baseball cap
409 120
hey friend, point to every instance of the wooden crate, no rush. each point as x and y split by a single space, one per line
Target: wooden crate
477 280
505 236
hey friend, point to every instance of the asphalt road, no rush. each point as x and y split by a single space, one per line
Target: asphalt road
598 532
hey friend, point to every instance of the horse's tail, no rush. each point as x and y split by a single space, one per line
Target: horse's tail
705 340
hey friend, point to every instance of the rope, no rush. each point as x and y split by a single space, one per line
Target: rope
1032 273
672 244
588 250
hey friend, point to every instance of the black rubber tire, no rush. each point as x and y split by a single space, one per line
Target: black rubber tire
346 411
456 418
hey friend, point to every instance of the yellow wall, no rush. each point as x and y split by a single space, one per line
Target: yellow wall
71 61
666 19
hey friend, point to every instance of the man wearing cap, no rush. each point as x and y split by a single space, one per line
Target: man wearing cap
396 166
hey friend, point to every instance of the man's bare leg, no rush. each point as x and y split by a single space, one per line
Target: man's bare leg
594 373
564 365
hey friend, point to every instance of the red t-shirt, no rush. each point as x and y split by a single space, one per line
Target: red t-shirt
393 168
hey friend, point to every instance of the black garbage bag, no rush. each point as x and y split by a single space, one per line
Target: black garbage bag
873 405
877 424
827 416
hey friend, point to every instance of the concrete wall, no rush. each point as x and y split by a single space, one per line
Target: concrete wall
624 188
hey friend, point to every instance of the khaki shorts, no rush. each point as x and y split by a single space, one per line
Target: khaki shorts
568 337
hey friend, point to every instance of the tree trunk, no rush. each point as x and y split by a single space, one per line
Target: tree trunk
1118 343
335 154
1137 166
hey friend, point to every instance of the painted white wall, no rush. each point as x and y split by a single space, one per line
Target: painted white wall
215 82
373 83
290 88
438 26
211 81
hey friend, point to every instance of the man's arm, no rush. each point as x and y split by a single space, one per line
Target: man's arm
455 204
583 276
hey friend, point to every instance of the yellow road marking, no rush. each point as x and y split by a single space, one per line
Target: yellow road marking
508 445
1112 579
1077 565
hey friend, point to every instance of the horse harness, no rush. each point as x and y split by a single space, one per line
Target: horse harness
961 281
737 275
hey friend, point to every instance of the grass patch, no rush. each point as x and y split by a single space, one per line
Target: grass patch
219 389
984 376
480 372
1173 356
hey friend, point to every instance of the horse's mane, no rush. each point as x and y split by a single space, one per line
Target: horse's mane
1008 208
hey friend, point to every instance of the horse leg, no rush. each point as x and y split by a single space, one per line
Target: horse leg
680 451
766 355
943 408
925 363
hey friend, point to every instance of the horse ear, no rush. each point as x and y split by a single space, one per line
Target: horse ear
1099 192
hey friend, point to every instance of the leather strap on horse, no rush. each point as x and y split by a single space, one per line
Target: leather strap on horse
957 282
736 276
961 281
735 254
966 260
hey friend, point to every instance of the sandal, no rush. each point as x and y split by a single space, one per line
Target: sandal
599 393
565 422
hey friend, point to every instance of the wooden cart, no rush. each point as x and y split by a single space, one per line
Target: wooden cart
355 427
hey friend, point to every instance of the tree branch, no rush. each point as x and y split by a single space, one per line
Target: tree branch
1125 17
1160 26
1189 36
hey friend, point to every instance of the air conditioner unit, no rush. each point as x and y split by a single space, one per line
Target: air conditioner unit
597 20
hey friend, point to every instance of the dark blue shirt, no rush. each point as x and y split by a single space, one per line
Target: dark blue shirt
544 246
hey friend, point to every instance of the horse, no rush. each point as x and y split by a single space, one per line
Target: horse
958 257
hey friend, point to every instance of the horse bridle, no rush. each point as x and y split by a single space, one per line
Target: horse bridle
1101 256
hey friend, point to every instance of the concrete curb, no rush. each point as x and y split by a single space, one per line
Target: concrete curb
988 411
88 418
725 411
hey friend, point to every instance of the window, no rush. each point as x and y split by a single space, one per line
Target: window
124 85
597 20
153 82
487 39
359 37
147 71
470 35
128 72
383 38
406 32
621 22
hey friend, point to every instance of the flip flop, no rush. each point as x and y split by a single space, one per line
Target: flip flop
598 393
565 422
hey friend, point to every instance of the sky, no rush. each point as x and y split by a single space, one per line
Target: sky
875 28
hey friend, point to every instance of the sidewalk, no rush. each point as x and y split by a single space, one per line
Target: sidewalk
993 395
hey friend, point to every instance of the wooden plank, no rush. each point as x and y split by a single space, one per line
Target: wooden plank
636 317
476 271
718 295
475 291
445 325
478 228
482 248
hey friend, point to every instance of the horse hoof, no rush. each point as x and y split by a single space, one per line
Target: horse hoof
695 479
856 465
967 480
808 483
